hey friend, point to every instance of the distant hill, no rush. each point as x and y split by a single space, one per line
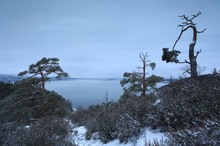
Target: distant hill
14 78
9 78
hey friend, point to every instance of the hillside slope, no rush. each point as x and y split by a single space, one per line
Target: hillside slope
190 109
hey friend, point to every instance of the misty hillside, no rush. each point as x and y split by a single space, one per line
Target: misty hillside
9 78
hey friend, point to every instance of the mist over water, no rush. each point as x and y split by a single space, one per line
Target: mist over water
86 92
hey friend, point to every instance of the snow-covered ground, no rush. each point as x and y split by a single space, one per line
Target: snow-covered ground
79 137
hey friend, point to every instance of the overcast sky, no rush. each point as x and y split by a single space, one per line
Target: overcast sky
103 38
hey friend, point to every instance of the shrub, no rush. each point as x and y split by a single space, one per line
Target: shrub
188 102
5 89
119 120
127 128
144 110
48 131
28 101
207 134
105 122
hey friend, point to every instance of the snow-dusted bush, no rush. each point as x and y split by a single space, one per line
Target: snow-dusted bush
206 134
119 120
144 110
50 131
127 128
101 119
106 123
190 109
188 102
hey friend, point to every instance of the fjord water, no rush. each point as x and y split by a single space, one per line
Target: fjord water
86 92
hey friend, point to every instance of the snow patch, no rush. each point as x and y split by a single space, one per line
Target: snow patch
27 126
158 101
148 136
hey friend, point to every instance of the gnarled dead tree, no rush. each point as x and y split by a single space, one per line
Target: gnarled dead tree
171 56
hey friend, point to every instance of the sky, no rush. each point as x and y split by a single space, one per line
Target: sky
103 38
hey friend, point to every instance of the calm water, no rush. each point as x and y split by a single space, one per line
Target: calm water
86 92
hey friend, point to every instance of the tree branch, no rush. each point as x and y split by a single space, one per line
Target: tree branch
188 23
187 71
183 29
183 17
201 31
184 62
197 53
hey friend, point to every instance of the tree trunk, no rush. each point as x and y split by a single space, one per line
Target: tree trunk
43 80
144 79
192 57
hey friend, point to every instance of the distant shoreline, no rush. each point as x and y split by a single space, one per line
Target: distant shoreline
14 78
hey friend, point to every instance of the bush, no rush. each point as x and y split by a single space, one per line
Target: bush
143 109
188 102
127 128
28 101
190 109
5 89
119 120
206 134
48 131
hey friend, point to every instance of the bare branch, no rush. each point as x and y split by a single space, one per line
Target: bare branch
180 36
181 16
187 18
194 16
184 17
197 53
201 31
187 71
189 21
184 62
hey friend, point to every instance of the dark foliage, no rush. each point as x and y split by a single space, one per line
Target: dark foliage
190 109
127 128
28 101
206 134
43 68
121 120
170 56
132 84
5 89
187 109
48 131
100 119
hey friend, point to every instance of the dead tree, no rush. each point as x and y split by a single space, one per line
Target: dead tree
145 63
171 56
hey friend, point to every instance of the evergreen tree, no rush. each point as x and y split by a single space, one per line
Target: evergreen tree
45 67
28 101
5 89
136 83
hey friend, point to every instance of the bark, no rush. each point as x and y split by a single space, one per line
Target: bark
192 57
144 79
143 58
43 80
